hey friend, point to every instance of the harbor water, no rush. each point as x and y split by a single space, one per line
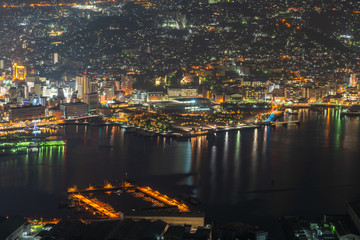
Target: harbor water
305 170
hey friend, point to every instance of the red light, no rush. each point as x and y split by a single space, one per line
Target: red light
95 76
84 72
65 141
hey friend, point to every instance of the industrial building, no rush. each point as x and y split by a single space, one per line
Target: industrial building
183 105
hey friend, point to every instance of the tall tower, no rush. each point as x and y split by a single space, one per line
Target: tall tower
82 85
79 86
86 84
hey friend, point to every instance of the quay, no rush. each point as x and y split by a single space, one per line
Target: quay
143 192
284 124
98 207
183 132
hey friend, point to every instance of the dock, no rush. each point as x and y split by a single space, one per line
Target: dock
97 206
94 206
284 124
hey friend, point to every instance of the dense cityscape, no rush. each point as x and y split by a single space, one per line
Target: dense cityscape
155 72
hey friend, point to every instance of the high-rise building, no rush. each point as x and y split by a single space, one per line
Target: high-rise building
109 93
92 99
82 85
353 80
127 83
94 86
37 89
79 83
350 80
117 85
19 72
2 64
30 81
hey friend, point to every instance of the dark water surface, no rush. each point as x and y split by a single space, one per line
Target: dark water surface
308 170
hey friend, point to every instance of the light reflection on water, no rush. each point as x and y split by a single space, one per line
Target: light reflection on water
306 170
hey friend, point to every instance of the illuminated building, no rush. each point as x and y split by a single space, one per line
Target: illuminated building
30 81
109 93
94 86
160 81
155 96
67 90
2 65
49 91
127 83
182 92
82 85
117 85
144 3
58 114
138 97
183 105
188 79
56 58
19 72
352 80
26 113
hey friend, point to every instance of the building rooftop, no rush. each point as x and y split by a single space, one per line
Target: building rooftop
9 224
163 212
75 103
28 106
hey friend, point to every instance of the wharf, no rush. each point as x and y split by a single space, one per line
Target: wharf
284 124
143 192
187 133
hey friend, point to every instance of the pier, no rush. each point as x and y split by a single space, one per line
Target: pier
143 192
98 207
284 124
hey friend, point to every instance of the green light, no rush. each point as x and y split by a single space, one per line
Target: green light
32 144
333 230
